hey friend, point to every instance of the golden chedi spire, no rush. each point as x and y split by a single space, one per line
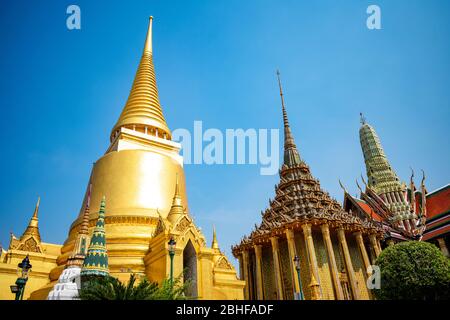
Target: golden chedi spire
215 243
142 110
32 228
137 174
177 209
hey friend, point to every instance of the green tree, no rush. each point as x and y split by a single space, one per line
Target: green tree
110 288
413 270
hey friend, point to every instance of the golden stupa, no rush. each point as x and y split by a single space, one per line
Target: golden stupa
136 174
141 175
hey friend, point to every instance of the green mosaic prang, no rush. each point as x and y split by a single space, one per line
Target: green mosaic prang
382 178
96 261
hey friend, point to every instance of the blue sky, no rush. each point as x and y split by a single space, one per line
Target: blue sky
62 91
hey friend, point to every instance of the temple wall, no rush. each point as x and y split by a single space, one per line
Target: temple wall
41 263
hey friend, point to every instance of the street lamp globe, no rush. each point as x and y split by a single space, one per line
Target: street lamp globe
297 262
172 243
14 288
23 270
24 267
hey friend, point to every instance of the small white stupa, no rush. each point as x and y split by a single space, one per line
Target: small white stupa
68 285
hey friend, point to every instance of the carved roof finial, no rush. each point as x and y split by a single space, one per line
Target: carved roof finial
291 155
362 118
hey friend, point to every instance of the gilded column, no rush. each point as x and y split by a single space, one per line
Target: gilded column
379 244
276 264
241 267
362 249
348 263
259 280
374 244
292 253
332 262
246 277
443 246
314 269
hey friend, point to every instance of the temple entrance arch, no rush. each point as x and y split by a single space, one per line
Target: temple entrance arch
190 269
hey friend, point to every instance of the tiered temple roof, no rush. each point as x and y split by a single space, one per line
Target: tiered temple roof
299 197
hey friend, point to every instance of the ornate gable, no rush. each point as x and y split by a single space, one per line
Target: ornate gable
160 227
223 263
182 224
30 245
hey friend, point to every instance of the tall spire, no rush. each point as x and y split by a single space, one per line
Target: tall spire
148 47
177 209
36 209
32 228
382 178
143 111
81 242
84 227
362 119
96 261
215 243
291 155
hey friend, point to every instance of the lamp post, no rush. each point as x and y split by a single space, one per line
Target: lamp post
171 244
297 267
24 267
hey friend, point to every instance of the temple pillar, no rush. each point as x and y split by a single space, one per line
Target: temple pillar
245 264
362 249
314 269
332 262
348 263
379 244
292 253
259 280
374 244
276 264
443 246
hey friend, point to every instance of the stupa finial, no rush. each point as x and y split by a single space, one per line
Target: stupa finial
291 155
215 243
148 41
362 119
143 109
